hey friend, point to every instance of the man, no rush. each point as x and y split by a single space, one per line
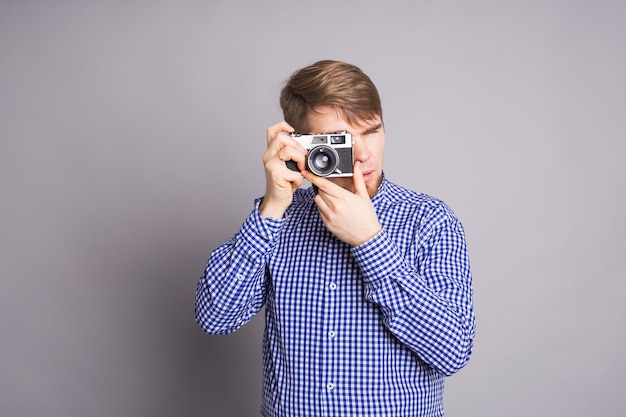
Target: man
366 284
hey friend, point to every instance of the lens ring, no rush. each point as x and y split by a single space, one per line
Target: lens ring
322 160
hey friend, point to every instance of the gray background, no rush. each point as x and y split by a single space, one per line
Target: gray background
131 141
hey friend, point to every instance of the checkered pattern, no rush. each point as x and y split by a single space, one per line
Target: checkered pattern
350 331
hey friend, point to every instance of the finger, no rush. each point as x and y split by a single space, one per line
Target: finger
323 184
279 141
285 148
359 184
323 208
277 128
290 150
295 154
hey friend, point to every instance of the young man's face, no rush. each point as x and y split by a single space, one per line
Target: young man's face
368 148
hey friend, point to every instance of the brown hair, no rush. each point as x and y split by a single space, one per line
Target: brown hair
329 83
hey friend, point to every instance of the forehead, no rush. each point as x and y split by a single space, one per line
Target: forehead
326 119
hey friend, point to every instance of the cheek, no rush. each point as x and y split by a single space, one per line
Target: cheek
377 147
379 150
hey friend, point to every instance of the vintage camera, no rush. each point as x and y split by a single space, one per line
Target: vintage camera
330 155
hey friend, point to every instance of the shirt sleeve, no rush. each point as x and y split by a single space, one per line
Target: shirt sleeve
425 302
233 287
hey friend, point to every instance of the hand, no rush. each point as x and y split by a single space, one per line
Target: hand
280 181
349 216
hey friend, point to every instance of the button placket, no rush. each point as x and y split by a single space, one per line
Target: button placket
334 260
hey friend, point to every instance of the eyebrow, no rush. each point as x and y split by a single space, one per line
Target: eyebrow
372 129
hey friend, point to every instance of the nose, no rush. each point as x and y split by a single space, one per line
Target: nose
360 149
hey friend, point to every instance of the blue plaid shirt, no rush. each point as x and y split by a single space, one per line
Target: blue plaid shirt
370 330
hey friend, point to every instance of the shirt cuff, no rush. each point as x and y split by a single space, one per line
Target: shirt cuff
378 258
260 233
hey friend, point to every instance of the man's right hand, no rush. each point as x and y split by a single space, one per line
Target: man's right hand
281 182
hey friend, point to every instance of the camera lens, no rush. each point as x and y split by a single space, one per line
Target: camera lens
323 160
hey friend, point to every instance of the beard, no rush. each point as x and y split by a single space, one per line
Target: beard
372 183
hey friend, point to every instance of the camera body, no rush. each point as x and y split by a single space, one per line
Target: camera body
329 155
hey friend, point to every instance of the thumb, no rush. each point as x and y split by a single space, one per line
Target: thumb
357 178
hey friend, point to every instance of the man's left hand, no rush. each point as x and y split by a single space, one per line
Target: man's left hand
349 216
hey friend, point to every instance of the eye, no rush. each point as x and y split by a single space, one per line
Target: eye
372 130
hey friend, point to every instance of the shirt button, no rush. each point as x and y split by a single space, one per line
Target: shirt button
330 386
332 334
239 277
332 286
